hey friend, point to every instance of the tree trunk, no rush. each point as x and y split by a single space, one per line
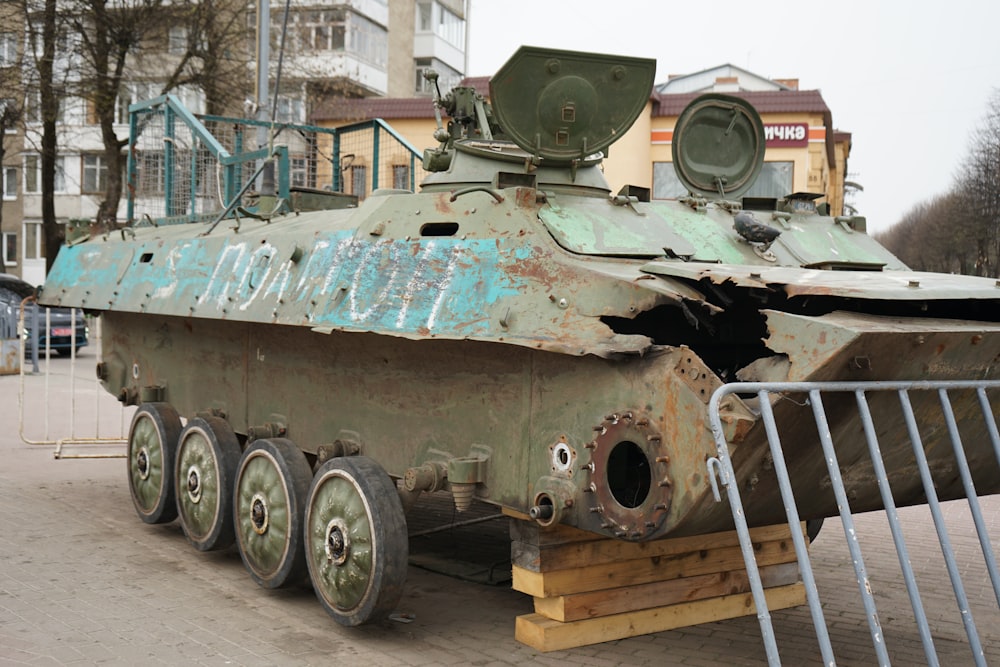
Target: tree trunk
52 232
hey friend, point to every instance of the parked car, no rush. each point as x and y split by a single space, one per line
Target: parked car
60 332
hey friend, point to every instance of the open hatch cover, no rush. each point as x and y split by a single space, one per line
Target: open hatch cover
718 146
565 105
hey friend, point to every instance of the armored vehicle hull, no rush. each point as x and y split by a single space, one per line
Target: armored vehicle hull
513 333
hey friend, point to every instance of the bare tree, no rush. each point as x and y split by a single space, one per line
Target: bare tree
11 108
215 56
980 182
109 32
42 20
958 231
90 48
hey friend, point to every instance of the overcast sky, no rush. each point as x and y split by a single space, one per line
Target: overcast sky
909 80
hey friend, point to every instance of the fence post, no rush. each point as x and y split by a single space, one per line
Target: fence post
335 160
168 160
375 151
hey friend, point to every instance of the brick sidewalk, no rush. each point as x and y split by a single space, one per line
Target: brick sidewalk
83 581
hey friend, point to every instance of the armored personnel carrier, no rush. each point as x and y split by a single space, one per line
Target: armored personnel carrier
515 333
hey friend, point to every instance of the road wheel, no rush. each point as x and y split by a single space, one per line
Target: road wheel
152 443
271 487
207 455
356 542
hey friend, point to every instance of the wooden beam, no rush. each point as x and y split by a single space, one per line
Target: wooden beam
544 634
592 604
561 556
645 570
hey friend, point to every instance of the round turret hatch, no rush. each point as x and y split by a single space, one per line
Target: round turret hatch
718 146
565 105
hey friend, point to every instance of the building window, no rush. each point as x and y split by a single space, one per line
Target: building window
774 181
32 240
317 30
177 40
666 185
121 106
9 183
450 27
95 174
425 22
128 95
8 49
33 175
191 97
446 24
448 78
368 40
150 172
9 105
423 86
359 181
33 107
9 249
299 168
290 110
401 176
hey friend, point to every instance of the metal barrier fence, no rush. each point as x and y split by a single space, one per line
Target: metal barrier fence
62 401
184 167
722 467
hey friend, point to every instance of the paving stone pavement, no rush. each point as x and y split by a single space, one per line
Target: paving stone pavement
83 581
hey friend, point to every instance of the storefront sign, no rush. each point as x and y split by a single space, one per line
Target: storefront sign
786 134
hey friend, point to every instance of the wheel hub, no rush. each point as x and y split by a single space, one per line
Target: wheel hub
194 484
142 463
258 514
338 545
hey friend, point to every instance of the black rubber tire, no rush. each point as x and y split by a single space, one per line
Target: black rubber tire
151 451
356 542
274 475
207 452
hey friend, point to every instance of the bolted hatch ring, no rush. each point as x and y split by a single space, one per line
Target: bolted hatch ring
630 486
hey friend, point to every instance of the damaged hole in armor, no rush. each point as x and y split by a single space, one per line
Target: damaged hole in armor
629 477
726 341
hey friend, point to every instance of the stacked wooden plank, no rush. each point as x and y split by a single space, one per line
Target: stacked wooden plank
590 589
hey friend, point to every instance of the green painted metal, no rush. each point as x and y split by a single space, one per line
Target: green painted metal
518 325
718 146
200 508
149 478
266 546
566 105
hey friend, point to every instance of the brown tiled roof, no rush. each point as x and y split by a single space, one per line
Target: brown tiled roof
343 109
765 101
